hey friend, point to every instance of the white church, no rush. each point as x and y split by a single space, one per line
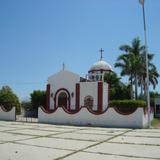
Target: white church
74 100
69 90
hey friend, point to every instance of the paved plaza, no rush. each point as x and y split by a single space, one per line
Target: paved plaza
34 141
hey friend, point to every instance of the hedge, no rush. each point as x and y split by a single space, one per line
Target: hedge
127 103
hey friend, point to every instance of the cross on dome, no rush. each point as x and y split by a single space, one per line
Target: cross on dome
101 52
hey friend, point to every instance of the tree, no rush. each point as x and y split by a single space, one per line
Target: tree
125 62
153 73
132 64
26 105
9 99
38 98
117 90
112 79
153 95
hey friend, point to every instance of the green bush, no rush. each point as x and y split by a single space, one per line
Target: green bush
8 99
127 103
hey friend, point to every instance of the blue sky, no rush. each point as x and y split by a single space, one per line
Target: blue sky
37 36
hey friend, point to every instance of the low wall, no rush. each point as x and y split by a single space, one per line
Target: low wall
9 115
110 118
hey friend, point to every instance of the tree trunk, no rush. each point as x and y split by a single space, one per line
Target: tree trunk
141 85
131 89
136 87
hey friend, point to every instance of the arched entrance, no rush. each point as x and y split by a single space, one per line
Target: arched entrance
62 100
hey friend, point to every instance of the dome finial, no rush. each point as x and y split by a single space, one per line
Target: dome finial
101 52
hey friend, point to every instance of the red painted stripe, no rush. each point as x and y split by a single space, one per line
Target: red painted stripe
100 96
48 97
77 96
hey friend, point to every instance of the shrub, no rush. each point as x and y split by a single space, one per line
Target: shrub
127 103
8 99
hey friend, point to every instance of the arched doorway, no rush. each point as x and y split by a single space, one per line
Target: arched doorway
62 100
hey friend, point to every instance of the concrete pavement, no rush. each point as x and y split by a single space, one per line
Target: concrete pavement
34 141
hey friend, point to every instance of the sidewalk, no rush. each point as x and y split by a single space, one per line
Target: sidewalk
34 141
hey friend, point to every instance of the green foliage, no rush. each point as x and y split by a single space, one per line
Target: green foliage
8 99
38 98
132 64
112 79
117 90
127 103
154 94
155 122
26 105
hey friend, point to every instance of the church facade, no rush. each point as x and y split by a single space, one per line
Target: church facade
75 100
69 90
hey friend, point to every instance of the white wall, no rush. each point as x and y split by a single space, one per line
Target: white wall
88 88
10 116
63 79
110 118
145 119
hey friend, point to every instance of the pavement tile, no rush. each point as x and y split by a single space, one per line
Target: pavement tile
21 125
4 128
58 143
57 129
33 132
12 137
136 140
82 136
140 151
143 134
94 156
100 132
110 129
23 152
72 127
37 141
147 130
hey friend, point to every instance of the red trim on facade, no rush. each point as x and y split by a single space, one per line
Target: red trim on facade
68 94
48 111
96 112
70 111
48 97
6 109
100 96
124 113
77 96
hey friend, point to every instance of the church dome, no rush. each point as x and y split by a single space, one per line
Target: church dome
101 65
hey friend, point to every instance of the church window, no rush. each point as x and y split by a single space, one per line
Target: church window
88 101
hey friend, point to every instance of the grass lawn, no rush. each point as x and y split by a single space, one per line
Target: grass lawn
155 122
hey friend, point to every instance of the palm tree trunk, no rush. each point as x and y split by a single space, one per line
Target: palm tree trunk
136 87
141 85
131 89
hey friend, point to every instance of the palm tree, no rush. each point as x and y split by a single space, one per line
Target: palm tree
153 73
132 64
125 63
